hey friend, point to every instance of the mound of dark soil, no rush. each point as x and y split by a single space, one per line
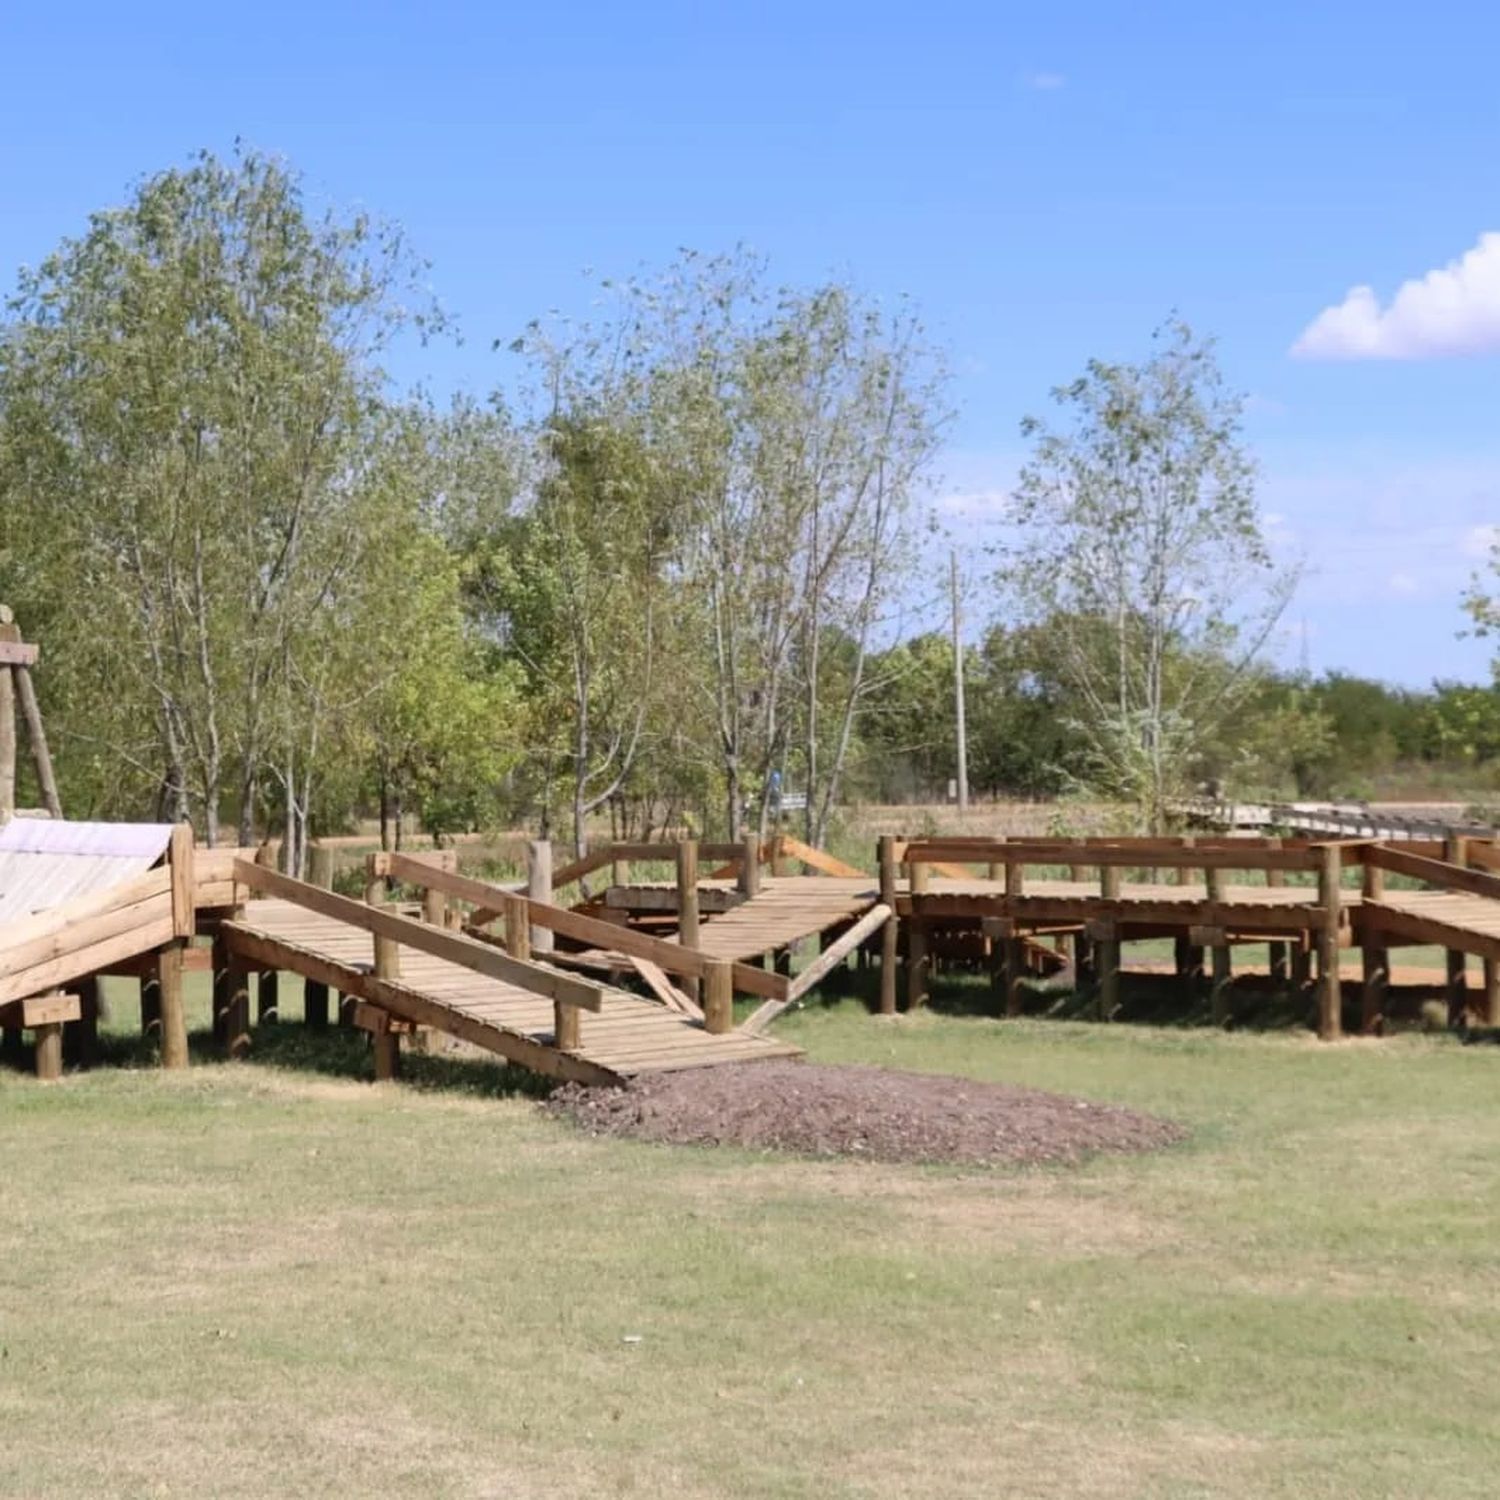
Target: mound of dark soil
875 1113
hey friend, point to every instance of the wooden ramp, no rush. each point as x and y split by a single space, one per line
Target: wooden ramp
1457 921
785 910
628 1035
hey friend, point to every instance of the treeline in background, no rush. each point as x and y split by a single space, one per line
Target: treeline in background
686 549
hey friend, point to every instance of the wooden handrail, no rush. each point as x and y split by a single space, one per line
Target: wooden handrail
1434 871
939 851
455 947
673 957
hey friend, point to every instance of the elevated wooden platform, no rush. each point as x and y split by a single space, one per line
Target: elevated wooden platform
627 1036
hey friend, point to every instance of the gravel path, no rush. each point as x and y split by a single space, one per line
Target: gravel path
879 1114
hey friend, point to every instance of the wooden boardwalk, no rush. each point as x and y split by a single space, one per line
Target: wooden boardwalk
627 1037
785 911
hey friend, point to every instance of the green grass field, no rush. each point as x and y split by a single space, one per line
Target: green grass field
270 1279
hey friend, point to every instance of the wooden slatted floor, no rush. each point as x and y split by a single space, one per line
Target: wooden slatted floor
786 909
1468 924
628 1036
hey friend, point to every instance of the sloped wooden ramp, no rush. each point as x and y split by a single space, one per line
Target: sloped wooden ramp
625 1037
783 912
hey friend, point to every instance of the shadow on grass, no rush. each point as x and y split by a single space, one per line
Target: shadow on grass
1146 999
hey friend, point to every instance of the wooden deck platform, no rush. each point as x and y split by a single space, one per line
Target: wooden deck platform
627 1037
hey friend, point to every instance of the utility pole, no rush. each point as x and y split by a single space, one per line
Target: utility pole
958 690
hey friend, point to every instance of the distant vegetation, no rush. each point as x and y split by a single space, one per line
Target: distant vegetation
273 591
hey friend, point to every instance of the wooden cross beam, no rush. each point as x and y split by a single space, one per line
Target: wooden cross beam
17 657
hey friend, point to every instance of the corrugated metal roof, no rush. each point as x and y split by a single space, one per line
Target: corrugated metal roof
44 864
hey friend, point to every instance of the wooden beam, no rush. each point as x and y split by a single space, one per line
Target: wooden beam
819 859
36 735
657 982
454 947
687 907
1437 872
174 1036
1164 855
16 652
261 948
890 933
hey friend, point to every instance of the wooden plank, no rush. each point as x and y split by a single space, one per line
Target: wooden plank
151 931
17 653
1167 856
1437 872
265 949
819 859
59 919
453 947
664 990
180 866
36 735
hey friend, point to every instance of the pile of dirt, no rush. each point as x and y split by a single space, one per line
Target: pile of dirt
877 1114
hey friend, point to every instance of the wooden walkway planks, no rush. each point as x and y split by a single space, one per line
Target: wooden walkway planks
786 909
628 1036
1451 919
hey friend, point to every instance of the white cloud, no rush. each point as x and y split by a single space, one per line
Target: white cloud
1452 310
1046 81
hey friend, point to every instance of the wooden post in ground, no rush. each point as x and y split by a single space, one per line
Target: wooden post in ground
231 1000
1491 992
718 997
320 865
539 888
889 933
916 938
1015 946
1374 958
387 950
1187 955
687 909
619 872
174 1037
1331 901
49 1050
1456 852
150 1006
1213 881
748 881
81 1037
435 907
516 916
315 1004
1276 965
9 631
268 981
1107 946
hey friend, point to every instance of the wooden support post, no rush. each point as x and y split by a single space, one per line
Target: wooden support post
718 997
231 1001
517 915
566 1031
1331 900
1374 957
267 997
889 932
81 1037
1301 961
41 757
619 873
315 1004
174 1036
1223 978
1491 992
1083 960
539 888
1456 852
916 939
49 1050
687 908
1107 950
434 907
385 1047
1276 956
1015 974
150 1005
387 950
320 866
748 880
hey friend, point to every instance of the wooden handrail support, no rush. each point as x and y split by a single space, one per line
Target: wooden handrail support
1437 872
454 947
673 957
935 852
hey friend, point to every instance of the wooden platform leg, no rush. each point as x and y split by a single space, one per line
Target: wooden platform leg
315 1004
1083 960
386 1048
1107 960
49 1058
1457 987
174 1041
1301 963
1276 963
150 1006
890 932
81 1037
1491 992
231 1001
916 963
718 997
1375 961
12 1046
1223 977
267 996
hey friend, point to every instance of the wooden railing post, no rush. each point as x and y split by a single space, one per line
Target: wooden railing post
320 865
387 950
718 997
268 981
1330 902
749 872
1106 938
1015 944
539 888
687 907
517 915
1276 963
314 992
889 932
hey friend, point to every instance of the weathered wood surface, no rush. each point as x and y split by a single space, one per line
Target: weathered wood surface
626 1036
787 909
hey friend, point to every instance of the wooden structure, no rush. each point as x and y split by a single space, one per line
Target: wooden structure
18 705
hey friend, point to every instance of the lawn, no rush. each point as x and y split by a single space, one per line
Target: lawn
271 1279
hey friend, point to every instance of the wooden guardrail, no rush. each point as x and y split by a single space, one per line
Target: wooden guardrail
675 958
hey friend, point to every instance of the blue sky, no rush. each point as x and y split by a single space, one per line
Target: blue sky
1047 182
